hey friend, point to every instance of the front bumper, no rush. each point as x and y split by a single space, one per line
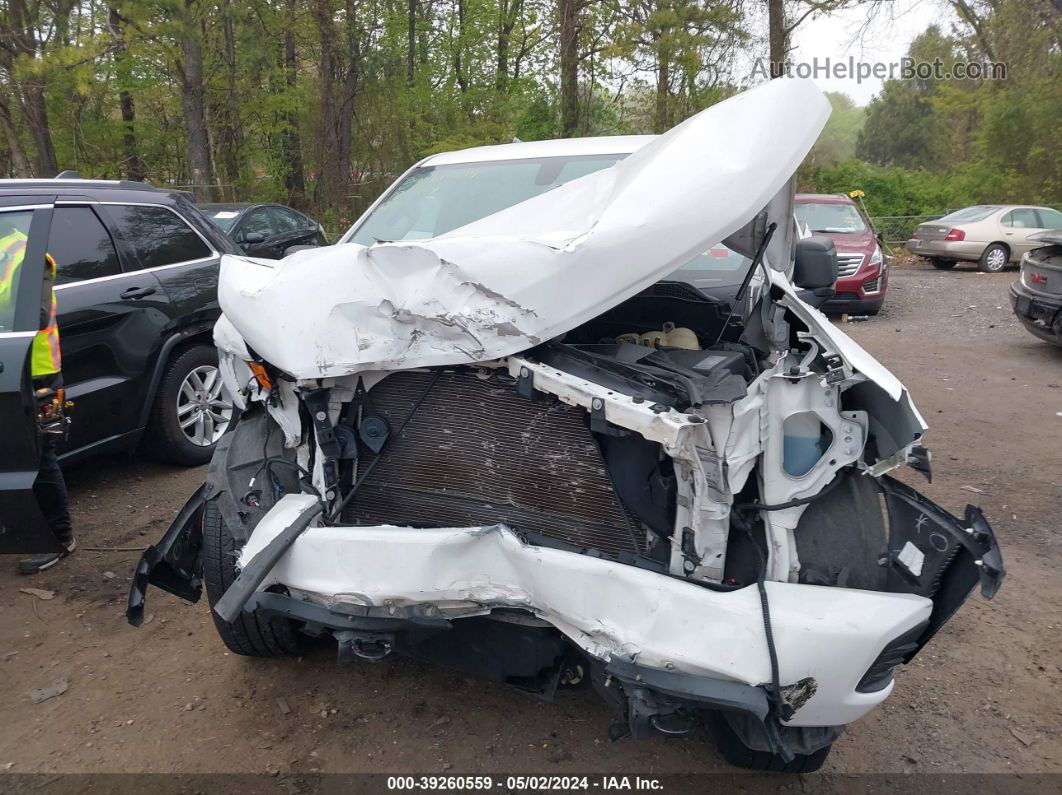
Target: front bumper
1041 315
859 293
616 612
356 578
967 250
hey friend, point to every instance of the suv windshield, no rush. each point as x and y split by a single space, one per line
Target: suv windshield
434 200
830 217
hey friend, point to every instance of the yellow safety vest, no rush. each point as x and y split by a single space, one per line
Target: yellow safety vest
45 358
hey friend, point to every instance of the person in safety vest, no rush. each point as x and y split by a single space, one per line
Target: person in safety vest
46 370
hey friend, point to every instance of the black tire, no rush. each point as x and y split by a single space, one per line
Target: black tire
164 438
740 755
251 635
942 264
990 258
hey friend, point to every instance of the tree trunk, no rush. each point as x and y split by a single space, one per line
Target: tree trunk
350 92
291 141
662 115
459 70
335 130
423 42
134 166
19 162
36 117
326 131
507 12
968 14
411 41
19 40
231 135
567 13
776 36
190 72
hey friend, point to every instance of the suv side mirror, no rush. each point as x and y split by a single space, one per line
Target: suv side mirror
816 263
253 238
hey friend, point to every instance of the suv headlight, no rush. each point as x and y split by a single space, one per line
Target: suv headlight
876 258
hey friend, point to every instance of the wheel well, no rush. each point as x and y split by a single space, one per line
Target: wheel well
192 341
999 243
171 349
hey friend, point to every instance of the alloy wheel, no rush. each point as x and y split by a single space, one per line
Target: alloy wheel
997 258
202 411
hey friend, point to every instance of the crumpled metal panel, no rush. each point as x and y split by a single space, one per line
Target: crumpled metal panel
544 266
476 453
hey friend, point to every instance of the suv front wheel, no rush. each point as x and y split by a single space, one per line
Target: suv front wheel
190 413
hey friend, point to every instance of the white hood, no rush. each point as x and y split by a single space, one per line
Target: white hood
504 283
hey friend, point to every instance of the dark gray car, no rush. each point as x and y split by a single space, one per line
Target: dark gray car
1036 296
265 230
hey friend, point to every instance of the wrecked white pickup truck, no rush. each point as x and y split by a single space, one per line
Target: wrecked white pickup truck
562 412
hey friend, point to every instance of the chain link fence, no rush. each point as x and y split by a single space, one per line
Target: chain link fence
897 229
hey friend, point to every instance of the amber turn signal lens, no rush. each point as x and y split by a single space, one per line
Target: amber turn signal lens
261 376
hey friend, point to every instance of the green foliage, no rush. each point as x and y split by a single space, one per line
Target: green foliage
932 144
107 88
890 190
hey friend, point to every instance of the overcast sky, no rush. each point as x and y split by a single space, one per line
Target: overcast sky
847 33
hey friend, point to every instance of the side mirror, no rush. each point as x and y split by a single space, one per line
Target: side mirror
816 263
253 238
881 237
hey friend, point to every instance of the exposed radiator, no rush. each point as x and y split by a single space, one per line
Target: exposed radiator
475 453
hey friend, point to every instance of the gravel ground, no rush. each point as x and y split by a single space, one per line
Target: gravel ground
168 698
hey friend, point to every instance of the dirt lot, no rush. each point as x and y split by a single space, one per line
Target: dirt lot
984 697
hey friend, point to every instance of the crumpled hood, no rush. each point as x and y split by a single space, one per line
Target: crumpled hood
518 277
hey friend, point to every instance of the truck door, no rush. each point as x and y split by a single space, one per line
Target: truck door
22 526
112 319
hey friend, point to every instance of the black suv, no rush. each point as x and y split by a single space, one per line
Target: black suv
137 300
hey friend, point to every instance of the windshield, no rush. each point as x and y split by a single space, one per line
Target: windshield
978 213
831 217
222 219
719 266
434 200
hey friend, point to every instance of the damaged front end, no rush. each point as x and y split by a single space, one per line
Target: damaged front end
704 527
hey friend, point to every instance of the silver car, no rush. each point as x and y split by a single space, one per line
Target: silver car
989 234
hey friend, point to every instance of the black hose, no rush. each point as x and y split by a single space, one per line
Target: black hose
782 708
759 506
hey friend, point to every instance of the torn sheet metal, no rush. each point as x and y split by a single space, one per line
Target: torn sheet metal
618 612
535 270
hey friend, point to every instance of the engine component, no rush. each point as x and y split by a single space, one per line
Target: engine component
669 337
373 432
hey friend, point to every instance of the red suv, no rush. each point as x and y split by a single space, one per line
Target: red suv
862 276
